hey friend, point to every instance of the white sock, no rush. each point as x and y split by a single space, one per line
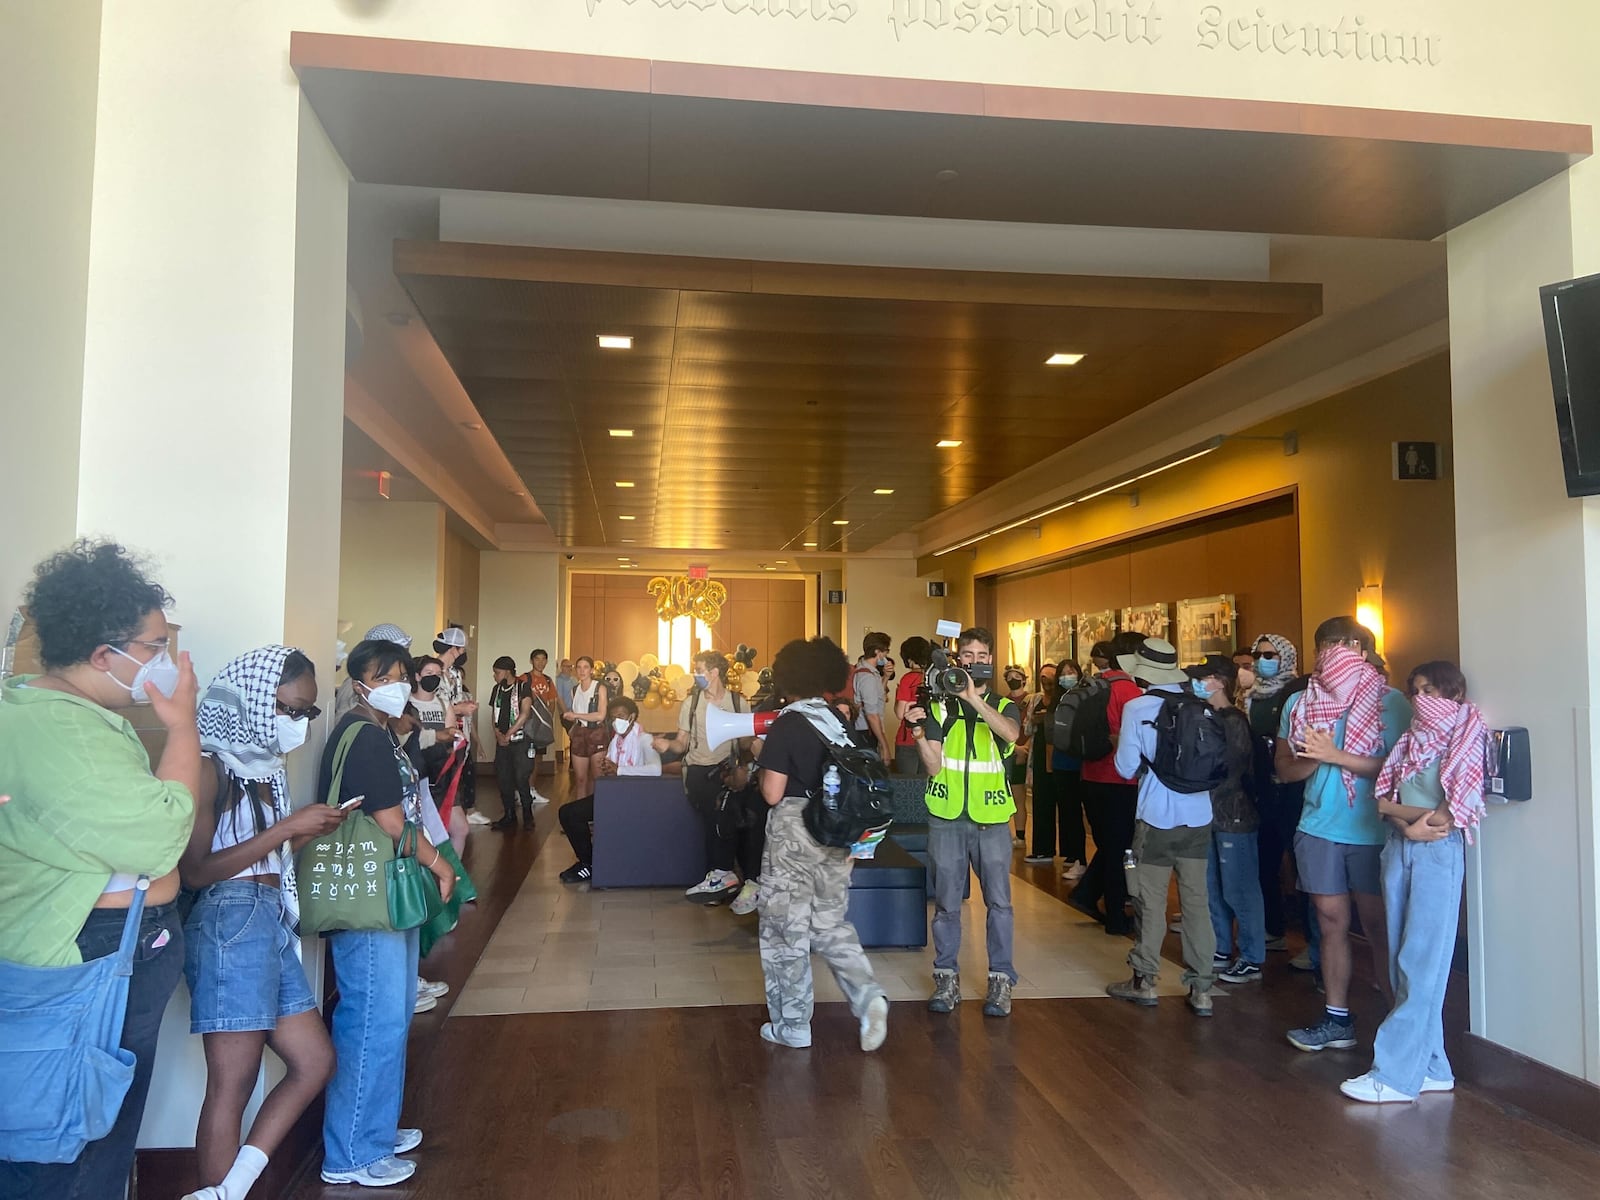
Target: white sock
246 1169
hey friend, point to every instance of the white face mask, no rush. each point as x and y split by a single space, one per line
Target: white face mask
621 725
160 671
390 698
291 733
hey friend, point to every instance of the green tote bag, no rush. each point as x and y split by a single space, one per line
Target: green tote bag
413 891
344 875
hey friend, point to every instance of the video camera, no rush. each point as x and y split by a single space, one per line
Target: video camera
942 678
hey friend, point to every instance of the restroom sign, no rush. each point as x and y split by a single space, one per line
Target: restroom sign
1416 461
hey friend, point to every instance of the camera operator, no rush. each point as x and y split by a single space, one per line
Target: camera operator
964 735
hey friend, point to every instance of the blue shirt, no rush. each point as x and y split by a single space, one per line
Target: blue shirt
564 686
1328 813
1159 805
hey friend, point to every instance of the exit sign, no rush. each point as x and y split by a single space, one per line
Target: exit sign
699 572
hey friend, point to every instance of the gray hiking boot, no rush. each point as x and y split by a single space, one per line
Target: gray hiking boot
1141 989
998 1001
946 992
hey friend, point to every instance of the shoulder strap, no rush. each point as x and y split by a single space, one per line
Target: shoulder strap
341 752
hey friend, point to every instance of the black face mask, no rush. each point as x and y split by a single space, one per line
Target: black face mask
430 683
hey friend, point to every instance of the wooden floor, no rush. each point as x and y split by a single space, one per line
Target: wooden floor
1068 1098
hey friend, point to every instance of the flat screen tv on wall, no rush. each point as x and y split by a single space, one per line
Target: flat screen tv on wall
1572 337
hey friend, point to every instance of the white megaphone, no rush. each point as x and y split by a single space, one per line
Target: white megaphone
722 726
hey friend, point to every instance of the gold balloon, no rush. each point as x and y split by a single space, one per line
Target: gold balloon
750 684
629 671
671 697
648 662
651 700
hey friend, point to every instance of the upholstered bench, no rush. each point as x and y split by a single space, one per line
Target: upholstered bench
645 834
889 898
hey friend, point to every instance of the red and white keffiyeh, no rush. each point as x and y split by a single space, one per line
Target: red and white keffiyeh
1452 734
628 750
1344 686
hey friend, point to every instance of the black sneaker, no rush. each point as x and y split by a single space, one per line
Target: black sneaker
576 873
507 822
1240 971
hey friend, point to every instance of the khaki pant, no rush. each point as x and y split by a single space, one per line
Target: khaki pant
805 889
1160 852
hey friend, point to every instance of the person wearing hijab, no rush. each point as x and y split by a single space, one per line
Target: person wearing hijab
1275 665
1430 794
241 949
1335 736
91 823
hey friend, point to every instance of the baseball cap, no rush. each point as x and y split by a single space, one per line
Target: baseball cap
505 663
452 637
1213 665
388 633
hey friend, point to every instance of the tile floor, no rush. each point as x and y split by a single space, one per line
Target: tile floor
564 949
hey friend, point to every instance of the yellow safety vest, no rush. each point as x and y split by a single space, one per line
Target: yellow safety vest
972 779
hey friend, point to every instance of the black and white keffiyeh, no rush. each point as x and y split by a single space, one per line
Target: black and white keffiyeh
237 717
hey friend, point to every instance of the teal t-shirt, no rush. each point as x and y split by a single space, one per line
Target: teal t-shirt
1328 813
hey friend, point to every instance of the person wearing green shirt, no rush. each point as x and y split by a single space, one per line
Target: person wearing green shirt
88 817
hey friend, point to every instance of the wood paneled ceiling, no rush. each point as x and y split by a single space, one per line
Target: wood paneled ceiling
770 403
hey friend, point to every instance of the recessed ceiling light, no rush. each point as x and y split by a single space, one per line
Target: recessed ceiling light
769 568
398 318
841 522
624 483
627 517
811 545
620 432
623 558
626 541
614 341
947 175
947 443
782 562
514 492
1063 360
883 491
472 424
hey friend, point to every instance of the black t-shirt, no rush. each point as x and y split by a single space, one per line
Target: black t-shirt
506 701
794 748
376 768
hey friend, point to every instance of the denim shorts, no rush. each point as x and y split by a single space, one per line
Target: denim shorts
1334 868
240 960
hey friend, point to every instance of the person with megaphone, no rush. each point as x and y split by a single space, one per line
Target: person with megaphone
805 885
734 840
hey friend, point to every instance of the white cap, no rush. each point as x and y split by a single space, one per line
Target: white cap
453 637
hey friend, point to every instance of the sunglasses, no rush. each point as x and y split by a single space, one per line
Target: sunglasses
300 714
1260 654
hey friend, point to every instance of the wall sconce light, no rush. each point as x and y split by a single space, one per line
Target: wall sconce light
1369 610
383 484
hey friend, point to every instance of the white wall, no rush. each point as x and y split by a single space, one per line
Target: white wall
1523 565
886 595
519 609
49 61
391 568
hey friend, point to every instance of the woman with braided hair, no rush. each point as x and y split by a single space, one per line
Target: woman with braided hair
242 958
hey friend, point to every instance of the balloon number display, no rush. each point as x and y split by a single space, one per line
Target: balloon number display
681 596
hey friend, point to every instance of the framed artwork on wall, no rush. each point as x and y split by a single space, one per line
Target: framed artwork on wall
1206 626
1021 647
1094 627
1147 620
1055 639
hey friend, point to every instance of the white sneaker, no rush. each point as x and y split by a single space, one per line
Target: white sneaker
745 902
769 1034
538 799
875 1024
424 1004
207 1193
715 888
407 1140
474 818
1369 1091
429 987
1075 871
1430 1084
386 1172
1175 925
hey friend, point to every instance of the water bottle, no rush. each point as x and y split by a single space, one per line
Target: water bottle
830 788
1129 862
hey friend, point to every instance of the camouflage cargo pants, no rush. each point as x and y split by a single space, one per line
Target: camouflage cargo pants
804 891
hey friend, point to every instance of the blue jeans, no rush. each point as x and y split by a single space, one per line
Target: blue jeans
1233 888
377 977
1422 900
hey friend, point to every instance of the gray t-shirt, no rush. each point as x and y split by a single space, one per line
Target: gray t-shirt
866 684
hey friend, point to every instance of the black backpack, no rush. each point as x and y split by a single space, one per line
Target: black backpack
1191 745
865 803
1083 722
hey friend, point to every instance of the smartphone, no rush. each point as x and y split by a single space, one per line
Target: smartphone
349 804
